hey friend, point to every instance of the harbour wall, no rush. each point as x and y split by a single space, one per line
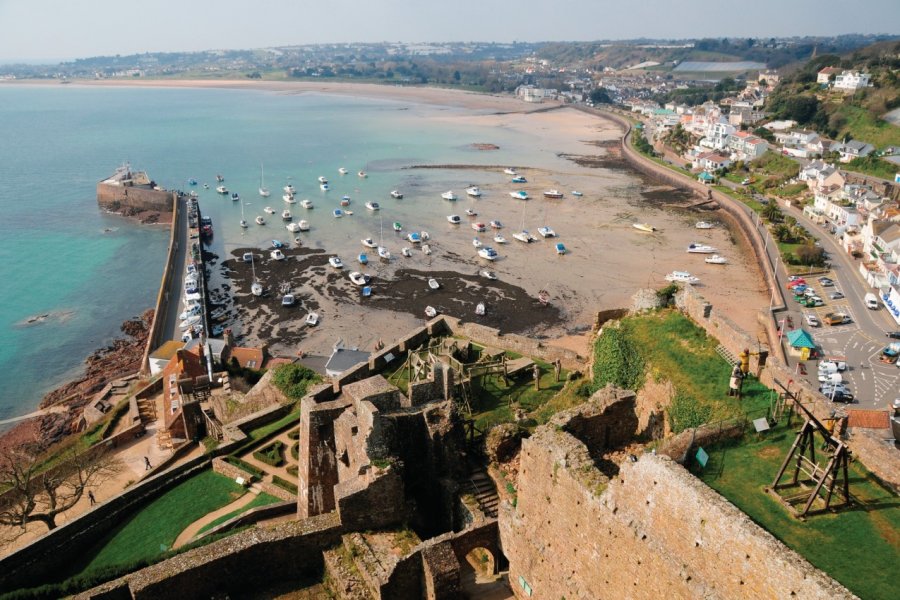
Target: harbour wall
127 198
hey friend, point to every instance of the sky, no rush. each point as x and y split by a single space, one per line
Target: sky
52 30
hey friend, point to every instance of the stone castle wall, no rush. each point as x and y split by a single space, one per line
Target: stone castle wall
120 197
654 531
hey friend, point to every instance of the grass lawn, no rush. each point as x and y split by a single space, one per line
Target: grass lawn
860 546
267 429
153 530
263 499
862 125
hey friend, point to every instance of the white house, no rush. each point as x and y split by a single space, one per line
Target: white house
717 135
711 161
851 81
853 149
746 146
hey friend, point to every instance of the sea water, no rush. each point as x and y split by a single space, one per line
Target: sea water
89 271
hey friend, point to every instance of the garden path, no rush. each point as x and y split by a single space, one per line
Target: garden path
191 530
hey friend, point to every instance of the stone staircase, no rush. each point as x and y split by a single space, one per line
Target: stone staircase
482 487
342 570
147 410
164 440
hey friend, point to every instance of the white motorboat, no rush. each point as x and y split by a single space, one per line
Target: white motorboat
243 220
546 231
476 242
304 225
703 225
430 312
499 239
373 206
263 190
269 210
190 321
276 254
289 198
221 189
449 195
471 212
488 253
644 227
524 236
235 196
396 194
335 262
306 203
520 195
487 274
406 251
479 227
555 194
454 219
496 224
701 249
682 277
715 259
362 174
289 189
312 319
510 171
191 312
383 253
479 309
256 288
288 300
369 243
358 278
286 215
293 227
248 257
473 191
260 221
425 236
426 249
342 171
577 193
324 187
322 179
433 283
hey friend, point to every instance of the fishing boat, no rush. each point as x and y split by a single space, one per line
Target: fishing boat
397 226
524 236
496 224
286 215
335 262
577 193
433 283
479 309
454 219
304 225
312 319
358 278
288 300
221 189
520 195
696 248
192 181
362 258
560 248
406 251
473 191
488 253
487 274
269 210
644 227
518 179
373 206
471 212
449 195
276 254
681 277
510 171
383 253
715 259
479 227
553 194
338 213
362 174
235 197
324 187
289 198
263 190
293 227
345 200
476 242
430 312
369 243
396 194
342 171
306 203
703 225
499 239
546 231
289 189
219 178
247 257
322 179
260 220
426 249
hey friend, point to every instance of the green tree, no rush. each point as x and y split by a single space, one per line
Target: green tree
772 213
600 96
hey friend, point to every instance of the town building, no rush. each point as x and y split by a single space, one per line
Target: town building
851 81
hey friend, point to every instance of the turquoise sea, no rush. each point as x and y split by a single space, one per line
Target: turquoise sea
57 257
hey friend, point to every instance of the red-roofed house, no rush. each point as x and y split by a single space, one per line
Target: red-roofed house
711 161
827 74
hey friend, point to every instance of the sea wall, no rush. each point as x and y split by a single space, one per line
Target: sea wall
120 198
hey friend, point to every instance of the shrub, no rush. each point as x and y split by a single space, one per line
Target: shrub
293 470
617 361
273 454
234 460
284 484
294 379
295 450
686 412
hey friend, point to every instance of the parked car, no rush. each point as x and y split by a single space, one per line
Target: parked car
833 365
813 301
836 319
830 377
836 295
793 278
833 388
826 281
893 334
845 397
813 321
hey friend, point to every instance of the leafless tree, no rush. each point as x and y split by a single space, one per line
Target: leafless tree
32 492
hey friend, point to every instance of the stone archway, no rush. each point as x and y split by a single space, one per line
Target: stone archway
483 562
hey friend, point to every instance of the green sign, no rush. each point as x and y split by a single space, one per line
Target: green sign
524 585
702 457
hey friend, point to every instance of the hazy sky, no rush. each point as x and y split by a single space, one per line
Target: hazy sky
65 29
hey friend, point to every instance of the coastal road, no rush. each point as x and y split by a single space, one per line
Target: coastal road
173 293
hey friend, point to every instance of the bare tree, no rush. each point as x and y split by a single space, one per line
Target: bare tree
30 492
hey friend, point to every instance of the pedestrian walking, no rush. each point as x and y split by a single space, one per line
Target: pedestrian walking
147 464
91 498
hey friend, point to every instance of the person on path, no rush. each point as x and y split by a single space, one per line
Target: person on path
147 464
91 498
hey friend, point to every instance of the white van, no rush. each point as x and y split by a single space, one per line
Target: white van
871 301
